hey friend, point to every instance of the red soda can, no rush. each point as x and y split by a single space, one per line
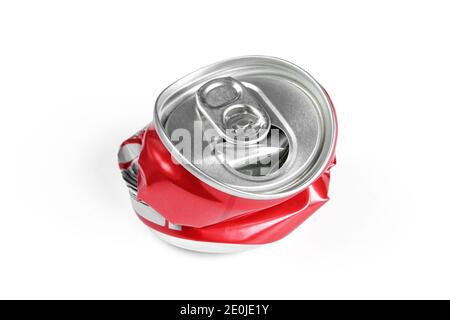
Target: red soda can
238 155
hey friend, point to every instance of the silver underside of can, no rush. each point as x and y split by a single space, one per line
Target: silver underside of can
202 246
290 99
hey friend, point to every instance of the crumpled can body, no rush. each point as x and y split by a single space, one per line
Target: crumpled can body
189 213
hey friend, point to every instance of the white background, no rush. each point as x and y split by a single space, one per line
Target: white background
78 77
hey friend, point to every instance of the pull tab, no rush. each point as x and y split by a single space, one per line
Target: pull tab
233 111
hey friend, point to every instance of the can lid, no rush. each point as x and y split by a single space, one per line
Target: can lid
255 127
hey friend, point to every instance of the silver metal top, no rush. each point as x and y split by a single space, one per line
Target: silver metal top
250 102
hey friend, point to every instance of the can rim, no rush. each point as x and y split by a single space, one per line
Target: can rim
230 189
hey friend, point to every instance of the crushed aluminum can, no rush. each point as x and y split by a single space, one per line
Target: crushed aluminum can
238 155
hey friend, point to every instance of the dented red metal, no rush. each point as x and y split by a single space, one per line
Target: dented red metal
208 214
